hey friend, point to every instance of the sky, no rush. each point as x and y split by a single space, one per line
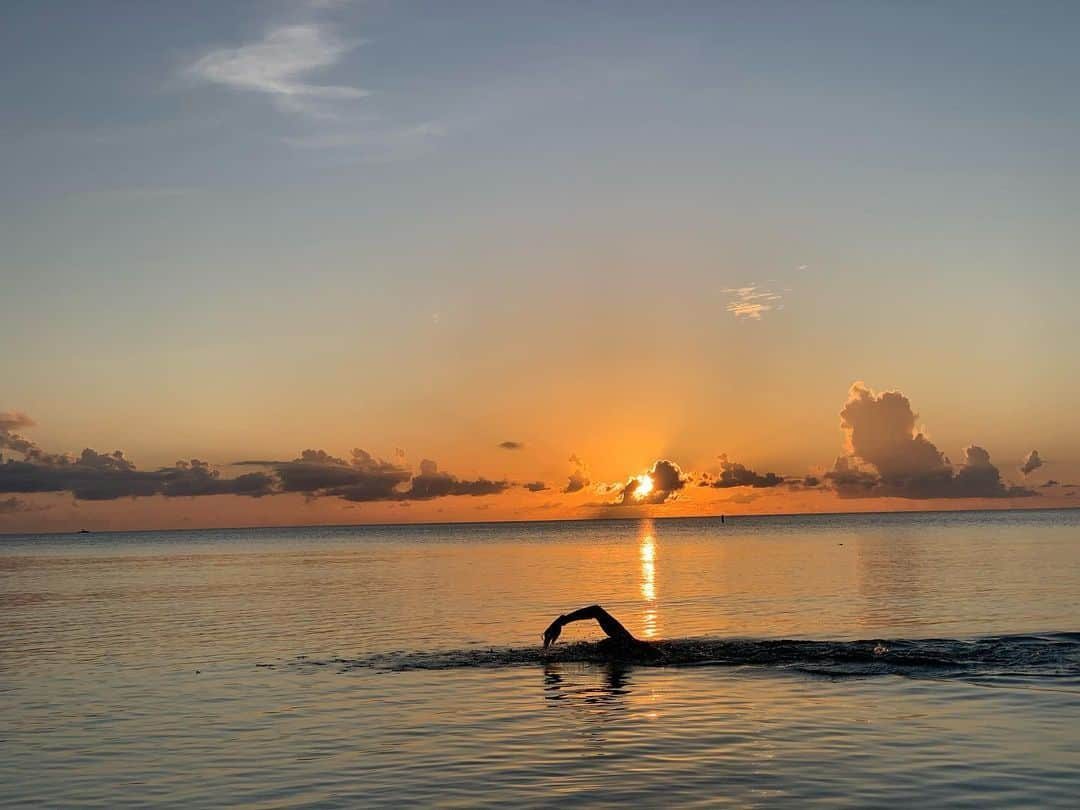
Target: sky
331 262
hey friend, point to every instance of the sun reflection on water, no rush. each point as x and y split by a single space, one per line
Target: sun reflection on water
647 551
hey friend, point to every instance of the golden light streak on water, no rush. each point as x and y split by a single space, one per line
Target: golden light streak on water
647 553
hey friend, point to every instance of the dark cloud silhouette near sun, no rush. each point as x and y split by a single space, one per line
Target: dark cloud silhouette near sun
659 485
511 445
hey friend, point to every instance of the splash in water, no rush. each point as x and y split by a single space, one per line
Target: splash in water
1054 655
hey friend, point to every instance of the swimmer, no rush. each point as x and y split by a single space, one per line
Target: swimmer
619 644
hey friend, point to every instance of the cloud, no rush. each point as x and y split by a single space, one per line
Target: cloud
1050 483
1031 463
431 483
95 476
509 445
10 421
579 478
13 420
656 486
752 301
536 486
278 66
737 475
888 457
364 478
316 472
196 478
806 482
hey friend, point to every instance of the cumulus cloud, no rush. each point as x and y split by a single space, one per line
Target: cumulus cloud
278 66
13 420
733 474
888 457
510 445
10 421
1031 463
658 485
579 478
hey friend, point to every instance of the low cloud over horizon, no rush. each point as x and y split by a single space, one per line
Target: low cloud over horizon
93 476
733 474
885 456
888 457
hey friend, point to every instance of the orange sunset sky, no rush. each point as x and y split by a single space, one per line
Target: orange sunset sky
318 263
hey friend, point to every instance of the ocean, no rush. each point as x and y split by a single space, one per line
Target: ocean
841 660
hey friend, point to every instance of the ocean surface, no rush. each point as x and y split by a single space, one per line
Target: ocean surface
872 660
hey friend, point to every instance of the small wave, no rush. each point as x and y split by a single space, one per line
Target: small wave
1054 655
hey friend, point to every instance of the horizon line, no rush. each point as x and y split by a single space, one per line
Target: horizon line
422 523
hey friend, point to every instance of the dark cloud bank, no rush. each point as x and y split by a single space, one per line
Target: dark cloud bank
94 476
733 474
886 457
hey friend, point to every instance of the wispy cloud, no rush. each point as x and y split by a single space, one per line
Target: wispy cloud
752 301
279 65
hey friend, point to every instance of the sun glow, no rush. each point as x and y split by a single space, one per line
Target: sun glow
644 486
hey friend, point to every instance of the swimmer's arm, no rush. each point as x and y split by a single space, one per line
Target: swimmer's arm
608 623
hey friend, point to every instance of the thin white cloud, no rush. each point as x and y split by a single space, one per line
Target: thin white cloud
752 301
279 64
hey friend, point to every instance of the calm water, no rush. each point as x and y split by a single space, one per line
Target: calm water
375 666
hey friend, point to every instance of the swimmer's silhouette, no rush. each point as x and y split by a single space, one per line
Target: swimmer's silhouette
620 643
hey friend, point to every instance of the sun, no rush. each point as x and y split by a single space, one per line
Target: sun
644 487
